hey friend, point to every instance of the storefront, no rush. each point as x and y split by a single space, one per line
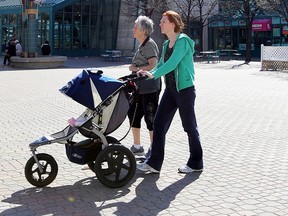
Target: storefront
232 35
73 27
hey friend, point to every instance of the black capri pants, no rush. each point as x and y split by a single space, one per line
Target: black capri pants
144 105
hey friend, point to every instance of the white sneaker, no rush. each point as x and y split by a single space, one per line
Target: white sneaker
187 169
144 167
85 167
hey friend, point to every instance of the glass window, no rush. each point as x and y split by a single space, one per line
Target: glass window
276 41
242 35
86 6
219 38
58 30
43 28
94 8
11 27
87 24
77 7
68 8
228 41
276 31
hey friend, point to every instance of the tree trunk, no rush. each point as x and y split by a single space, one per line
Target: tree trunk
248 42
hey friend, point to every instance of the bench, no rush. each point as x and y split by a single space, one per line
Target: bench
111 55
274 58
40 62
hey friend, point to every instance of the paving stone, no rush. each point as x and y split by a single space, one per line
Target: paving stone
242 116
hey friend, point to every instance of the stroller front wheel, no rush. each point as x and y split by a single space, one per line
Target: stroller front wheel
115 166
33 174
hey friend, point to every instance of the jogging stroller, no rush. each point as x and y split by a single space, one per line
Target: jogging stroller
107 101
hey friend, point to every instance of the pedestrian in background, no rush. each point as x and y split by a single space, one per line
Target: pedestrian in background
4 47
177 66
18 48
147 97
45 48
11 51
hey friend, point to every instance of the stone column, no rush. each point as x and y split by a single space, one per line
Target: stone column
30 17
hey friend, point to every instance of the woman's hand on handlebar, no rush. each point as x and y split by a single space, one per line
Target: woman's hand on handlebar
145 73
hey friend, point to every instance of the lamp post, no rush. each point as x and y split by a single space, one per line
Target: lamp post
30 17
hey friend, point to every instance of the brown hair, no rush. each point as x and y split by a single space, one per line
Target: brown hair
175 18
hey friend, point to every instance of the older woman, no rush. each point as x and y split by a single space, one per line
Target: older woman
177 67
146 100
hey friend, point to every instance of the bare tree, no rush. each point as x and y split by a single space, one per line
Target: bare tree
245 10
150 8
198 11
133 8
185 8
278 6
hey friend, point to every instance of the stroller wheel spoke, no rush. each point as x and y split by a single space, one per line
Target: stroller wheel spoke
117 176
124 166
109 160
107 171
120 158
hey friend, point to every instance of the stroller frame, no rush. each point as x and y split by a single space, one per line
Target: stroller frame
111 150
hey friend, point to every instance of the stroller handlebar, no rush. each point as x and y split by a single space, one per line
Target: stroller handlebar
133 77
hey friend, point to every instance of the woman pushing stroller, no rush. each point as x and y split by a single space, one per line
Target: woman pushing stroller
177 67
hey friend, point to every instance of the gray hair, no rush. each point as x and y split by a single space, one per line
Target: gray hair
145 24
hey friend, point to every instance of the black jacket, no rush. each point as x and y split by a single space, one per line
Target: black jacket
46 49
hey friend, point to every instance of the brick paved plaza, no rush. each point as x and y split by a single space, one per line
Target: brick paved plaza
242 115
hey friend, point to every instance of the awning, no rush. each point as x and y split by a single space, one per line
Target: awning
10 4
261 25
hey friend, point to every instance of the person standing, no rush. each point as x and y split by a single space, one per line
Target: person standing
177 66
147 97
11 51
45 48
18 48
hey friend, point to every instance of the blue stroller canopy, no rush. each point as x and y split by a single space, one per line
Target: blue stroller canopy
90 88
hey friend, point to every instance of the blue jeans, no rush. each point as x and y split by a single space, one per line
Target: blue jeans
171 101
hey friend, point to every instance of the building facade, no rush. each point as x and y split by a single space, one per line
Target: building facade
87 27
78 27
73 27
267 30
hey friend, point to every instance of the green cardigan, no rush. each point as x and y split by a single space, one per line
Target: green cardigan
181 61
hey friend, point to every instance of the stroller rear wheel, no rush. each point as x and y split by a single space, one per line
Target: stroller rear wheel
110 140
115 166
33 174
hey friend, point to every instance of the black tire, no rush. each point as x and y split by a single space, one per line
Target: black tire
110 140
33 174
115 166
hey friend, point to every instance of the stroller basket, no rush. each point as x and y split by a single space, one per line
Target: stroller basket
82 152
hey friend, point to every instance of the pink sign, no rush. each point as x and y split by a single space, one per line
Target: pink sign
261 25
285 30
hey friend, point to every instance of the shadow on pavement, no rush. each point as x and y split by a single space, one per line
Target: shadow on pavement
89 197
77 199
149 199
